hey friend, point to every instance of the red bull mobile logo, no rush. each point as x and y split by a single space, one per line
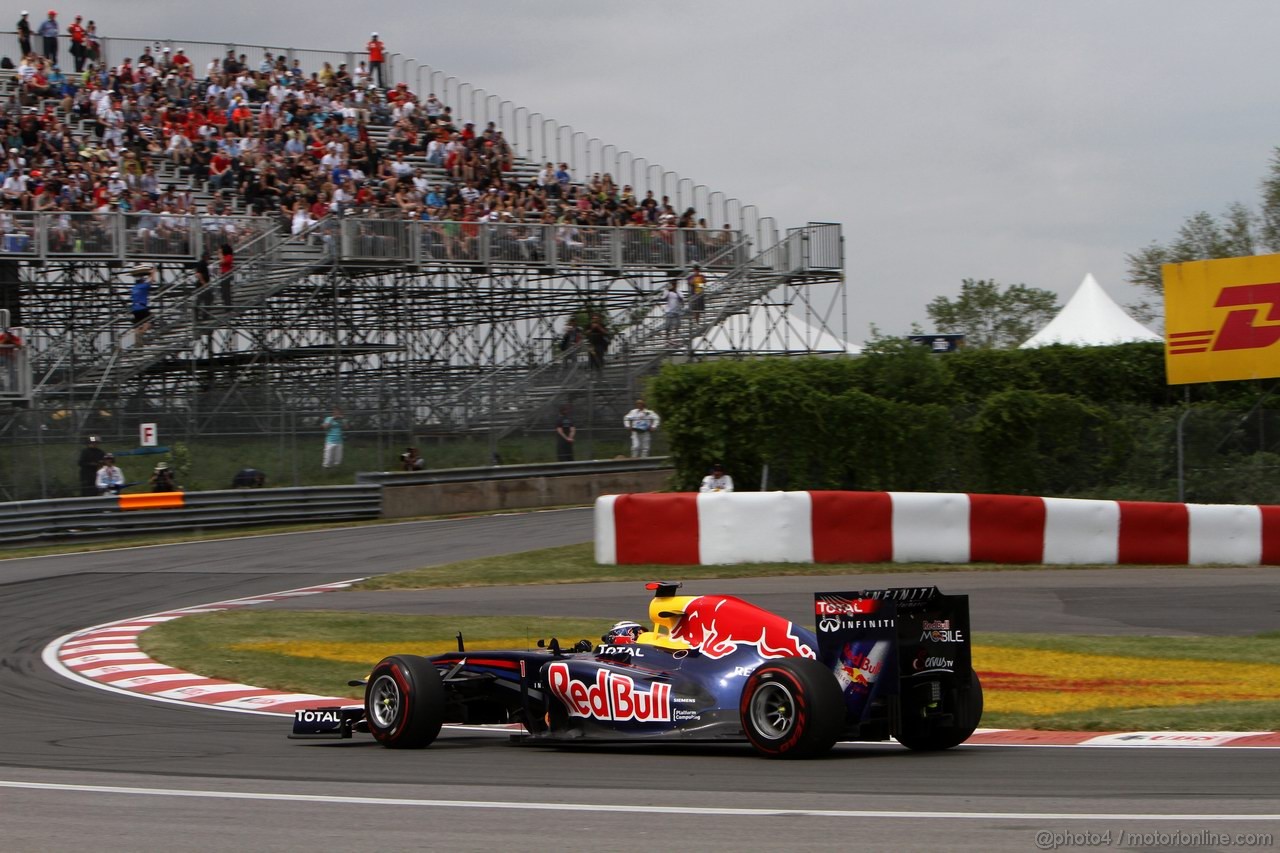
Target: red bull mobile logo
717 625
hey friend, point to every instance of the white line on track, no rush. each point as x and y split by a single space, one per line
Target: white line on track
326 799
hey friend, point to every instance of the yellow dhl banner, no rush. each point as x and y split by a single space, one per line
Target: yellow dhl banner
1222 319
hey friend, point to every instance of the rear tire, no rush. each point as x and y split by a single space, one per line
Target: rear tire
404 702
920 737
792 708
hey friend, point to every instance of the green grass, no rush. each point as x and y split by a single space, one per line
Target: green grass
576 564
217 644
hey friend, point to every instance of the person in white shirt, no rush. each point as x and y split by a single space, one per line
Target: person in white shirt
673 310
717 480
360 77
110 478
15 186
435 152
643 422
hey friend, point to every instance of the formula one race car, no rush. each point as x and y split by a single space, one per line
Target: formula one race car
889 662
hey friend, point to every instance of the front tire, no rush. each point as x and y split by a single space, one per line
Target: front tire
792 708
917 734
404 702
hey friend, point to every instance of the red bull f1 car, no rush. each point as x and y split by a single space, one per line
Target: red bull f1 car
879 664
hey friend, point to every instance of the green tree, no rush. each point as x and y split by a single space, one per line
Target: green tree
1238 232
992 318
1202 237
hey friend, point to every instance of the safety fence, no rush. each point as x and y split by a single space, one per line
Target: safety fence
184 511
150 512
914 527
121 236
402 241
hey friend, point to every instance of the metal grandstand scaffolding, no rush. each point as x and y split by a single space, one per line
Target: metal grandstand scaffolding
417 329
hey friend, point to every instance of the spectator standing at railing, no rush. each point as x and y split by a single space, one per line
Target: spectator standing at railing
643 422
204 293
226 272
333 439
377 55
697 283
90 460
10 344
49 32
24 34
598 340
109 479
93 44
566 434
78 51
162 480
673 309
140 299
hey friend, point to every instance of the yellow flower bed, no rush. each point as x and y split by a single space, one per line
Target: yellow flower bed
1032 681
1014 680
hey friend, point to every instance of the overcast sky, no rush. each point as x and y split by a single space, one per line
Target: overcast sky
1029 142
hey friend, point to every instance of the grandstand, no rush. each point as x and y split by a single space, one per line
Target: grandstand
418 319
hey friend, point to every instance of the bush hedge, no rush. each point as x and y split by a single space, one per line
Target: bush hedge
1067 421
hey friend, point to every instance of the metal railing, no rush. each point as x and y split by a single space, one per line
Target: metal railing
102 516
496 243
124 237
25 521
180 314
642 335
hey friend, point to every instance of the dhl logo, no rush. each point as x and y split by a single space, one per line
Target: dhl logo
1240 329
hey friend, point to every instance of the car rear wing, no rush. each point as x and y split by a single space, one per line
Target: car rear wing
879 642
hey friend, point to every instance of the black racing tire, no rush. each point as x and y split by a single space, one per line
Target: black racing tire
945 737
404 702
792 708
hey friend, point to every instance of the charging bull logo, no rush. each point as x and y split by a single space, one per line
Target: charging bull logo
611 697
718 625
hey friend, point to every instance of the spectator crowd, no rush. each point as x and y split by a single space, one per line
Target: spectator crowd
270 138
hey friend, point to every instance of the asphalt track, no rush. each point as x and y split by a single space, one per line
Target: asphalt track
86 769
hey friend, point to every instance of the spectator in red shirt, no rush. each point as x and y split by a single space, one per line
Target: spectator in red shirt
377 54
78 48
220 176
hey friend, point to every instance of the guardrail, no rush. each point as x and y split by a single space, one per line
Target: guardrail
107 516
61 518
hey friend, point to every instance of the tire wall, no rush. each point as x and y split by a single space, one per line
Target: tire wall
918 527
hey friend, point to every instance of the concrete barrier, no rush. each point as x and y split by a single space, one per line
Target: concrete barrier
523 493
914 527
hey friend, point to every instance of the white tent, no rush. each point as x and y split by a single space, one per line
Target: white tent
1091 318
772 332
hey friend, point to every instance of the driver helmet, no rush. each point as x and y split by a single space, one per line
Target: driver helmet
624 632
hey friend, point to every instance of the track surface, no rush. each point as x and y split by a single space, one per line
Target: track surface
138 754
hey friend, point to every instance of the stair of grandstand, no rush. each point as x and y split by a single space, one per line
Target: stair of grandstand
505 395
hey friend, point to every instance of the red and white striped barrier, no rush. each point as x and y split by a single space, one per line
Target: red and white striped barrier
916 527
